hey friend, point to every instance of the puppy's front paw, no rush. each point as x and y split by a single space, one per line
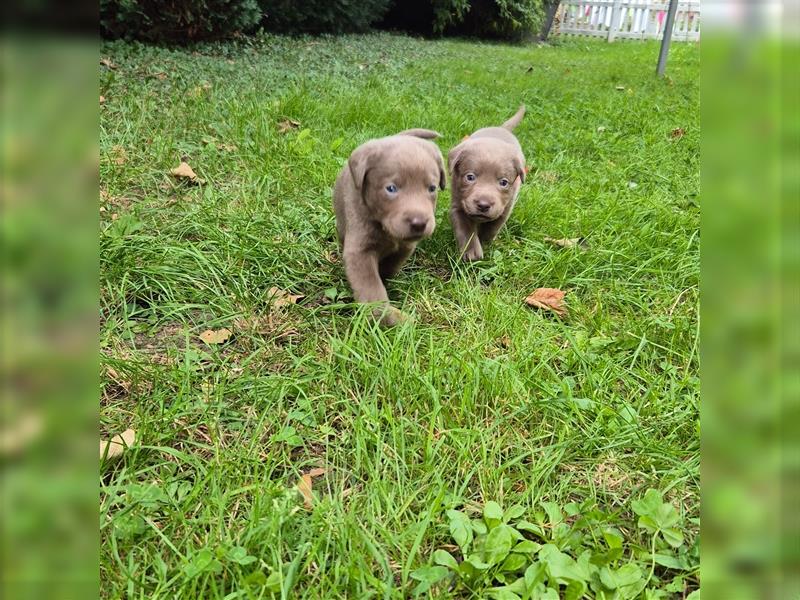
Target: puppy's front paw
389 316
474 252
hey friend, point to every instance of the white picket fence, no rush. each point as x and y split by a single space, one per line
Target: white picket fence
628 19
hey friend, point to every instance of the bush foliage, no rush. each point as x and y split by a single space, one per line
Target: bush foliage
177 20
322 16
189 20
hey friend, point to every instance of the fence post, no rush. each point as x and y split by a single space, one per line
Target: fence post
612 28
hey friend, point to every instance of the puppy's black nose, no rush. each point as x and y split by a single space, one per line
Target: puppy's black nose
483 205
417 224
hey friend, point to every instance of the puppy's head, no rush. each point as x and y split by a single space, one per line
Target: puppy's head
398 178
485 176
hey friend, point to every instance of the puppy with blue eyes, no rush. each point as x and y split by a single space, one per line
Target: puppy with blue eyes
486 172
384 199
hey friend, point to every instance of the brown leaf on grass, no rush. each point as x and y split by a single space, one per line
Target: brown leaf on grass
567 242
287 125
305 486
102 99
106 62
279 297
548 176
120 155
185 172
548 299
677 133
114 447
215 336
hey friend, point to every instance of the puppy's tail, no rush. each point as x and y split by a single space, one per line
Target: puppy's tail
425 134
516 119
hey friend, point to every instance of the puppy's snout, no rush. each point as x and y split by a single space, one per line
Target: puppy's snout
483 205
417 223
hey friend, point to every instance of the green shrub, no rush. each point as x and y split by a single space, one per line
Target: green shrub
177 20
322 16
504 19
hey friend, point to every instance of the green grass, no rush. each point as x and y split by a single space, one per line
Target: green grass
478 398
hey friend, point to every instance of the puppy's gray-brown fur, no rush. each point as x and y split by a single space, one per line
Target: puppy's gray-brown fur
384 200
486 172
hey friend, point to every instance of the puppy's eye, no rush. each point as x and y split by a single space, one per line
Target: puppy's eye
504 182
391 188
470 177
431 188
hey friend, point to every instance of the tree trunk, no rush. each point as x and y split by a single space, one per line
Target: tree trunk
551 8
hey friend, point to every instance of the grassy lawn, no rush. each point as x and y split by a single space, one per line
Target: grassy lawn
478 399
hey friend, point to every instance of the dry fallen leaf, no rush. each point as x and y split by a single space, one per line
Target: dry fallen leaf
102 99
677 133
279 297
287 125
548 299
115 447
184 171
106 62
120 155
215 336
305 485
567 242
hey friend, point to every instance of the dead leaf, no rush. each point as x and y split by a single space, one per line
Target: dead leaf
677 133
117 445
184 171
505 342
106 62
287 125
215 336
567 242
120 155
102 99
548 299
305 486
548 176
620 88
279 297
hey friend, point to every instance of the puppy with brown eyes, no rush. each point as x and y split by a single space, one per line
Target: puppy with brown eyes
486 172
384 200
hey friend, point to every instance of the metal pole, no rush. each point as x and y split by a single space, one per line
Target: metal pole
667 37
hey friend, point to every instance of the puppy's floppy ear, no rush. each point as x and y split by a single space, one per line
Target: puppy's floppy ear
440 164
454 156
519 165
360 162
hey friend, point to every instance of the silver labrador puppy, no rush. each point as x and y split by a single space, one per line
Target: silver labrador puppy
486 172
384 200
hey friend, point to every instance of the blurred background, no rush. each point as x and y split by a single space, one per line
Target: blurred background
750 289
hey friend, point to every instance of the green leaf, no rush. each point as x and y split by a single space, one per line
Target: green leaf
475 561
444 558
526 547
534 575
554 513
626 575
605 558
479 527
513 563
428 576
513 512
668 560
612 538
202 562
503 593
530 527
273 583
498 544
561 566
240 556
673 537
695 595
492 513
648 504
460 529
518 586
575 590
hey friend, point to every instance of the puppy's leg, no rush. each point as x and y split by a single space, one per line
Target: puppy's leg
466 235
362 273
488 231
391 264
